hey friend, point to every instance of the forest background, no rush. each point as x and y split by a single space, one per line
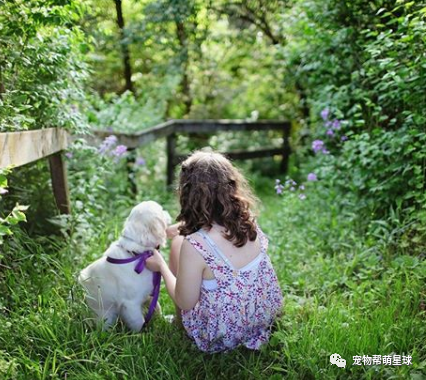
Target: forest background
347 223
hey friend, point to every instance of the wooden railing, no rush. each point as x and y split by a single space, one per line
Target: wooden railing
21 148
172 128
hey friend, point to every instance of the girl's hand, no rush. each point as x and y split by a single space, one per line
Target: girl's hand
172 231
155 262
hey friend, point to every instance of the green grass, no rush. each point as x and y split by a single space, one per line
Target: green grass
343 294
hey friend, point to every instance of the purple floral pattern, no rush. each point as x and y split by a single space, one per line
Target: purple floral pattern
241 310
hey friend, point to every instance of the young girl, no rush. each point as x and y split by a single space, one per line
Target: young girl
220 276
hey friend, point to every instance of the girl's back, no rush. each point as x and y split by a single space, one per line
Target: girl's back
239 297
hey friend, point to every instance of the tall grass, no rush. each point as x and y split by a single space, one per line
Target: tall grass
343 294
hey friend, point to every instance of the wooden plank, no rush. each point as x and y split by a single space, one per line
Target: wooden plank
190 126
20 148
141 138
241 155
59 183
171 152
212 126
286 150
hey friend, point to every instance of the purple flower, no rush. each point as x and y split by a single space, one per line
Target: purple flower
140 161
111 140
69 155
3 191
317 145
324 113
302 197
336 124
278 186
330 132
325 151
292 188
312 177
120 150
107 144
344 138
301 187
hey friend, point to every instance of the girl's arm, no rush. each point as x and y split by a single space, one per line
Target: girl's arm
184 289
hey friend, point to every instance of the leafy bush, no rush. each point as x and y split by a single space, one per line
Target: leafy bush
14 217
365 66
42 66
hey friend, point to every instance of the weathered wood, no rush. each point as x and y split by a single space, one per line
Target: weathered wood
60 183
239 155
141 138
170 128
20 148
286 150
171 151
211 126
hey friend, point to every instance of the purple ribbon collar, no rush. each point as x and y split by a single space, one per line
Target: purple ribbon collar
140 266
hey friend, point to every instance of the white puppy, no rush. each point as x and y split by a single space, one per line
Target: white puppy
116 290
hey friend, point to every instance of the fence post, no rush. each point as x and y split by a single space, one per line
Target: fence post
130 167
60 183
171 152
286 147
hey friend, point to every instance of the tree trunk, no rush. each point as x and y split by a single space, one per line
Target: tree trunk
124 48
185 84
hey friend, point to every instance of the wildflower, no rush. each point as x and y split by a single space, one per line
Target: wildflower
330 132
120 150
344 138
324 113
312 177
279 189
301 187
317 145
107 144
302 197
325 151
3 191
336 124
278 186
69 155
140 161
292 188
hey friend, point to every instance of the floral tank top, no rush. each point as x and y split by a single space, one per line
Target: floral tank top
242 304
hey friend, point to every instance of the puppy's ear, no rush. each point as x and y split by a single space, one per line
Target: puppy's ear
157 229
167 217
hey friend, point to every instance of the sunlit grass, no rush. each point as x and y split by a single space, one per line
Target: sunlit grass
341 295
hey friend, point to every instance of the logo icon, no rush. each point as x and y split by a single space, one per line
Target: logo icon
337 359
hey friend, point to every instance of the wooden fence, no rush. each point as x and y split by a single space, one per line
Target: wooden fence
21 148
172 128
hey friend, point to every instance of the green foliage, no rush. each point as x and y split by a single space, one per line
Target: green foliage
14 217
192 59
42 65
126 113
366 64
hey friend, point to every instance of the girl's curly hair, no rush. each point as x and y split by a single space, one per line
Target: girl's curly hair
211 190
